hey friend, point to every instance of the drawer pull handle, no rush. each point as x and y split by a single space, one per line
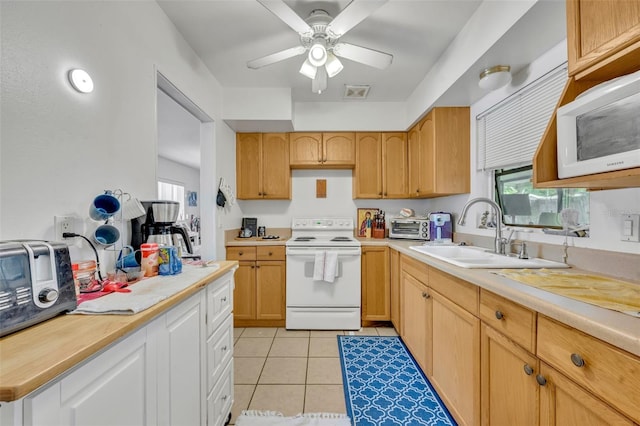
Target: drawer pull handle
577 360
528 369
541 380
499 315
270 254
224 299
240 253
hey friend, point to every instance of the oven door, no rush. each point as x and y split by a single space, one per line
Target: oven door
303 291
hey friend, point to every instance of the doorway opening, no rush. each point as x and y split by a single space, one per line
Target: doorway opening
185 141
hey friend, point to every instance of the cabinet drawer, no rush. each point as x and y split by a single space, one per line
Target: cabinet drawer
458 291
607 372
219 301
270 252
514 321
219 351
241 253
415 268
220 400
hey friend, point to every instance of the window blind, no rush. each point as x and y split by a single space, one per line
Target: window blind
508 133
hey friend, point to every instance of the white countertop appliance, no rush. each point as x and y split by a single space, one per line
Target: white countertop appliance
323 275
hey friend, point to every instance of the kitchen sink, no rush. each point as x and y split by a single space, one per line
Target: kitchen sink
479 257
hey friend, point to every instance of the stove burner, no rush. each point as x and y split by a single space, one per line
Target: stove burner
341 239
305 239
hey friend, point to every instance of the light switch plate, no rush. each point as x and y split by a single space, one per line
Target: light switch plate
630 232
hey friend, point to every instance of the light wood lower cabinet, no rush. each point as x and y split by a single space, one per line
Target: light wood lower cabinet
394 282
456 359
375 282
259 295
509 391
416 320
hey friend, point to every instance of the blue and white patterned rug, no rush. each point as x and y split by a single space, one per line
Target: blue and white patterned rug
383 385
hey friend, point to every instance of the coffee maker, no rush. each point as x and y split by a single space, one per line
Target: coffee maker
158 225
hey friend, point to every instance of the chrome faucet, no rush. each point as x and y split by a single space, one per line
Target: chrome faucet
499 246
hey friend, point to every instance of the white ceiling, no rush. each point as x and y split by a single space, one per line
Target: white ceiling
227 33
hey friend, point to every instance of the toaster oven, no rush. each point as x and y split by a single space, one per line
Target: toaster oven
410 228
36 283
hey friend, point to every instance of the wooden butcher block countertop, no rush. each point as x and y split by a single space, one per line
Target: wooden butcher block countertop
32 357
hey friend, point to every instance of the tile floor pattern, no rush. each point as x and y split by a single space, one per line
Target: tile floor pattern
291 371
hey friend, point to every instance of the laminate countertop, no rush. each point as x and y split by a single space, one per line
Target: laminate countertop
618 329
32 357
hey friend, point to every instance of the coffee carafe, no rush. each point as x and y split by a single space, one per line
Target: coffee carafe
158 225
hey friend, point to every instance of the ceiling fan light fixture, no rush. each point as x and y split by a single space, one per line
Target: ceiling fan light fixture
308 70
333 65
318 52
495 77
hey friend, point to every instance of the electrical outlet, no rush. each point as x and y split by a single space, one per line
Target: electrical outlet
63 224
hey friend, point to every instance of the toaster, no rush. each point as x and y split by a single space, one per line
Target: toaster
36 283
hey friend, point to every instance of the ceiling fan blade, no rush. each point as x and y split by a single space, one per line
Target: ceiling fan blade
364 55
276 57
319 83
352 15
287 15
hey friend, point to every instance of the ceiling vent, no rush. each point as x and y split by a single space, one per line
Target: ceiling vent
356 91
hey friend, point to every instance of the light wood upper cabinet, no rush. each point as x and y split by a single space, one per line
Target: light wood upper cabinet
601 34
367 179
394 165
322 150
381 165
376 290
603 42
262 166
439 156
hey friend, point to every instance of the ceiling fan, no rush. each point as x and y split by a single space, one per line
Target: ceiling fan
320 37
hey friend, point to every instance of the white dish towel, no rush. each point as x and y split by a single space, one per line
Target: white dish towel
330 266
318 266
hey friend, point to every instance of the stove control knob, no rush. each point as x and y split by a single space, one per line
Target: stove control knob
329 223
48 295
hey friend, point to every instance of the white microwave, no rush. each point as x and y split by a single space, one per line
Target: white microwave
600 130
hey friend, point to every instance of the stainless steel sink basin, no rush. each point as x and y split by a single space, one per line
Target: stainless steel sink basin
478 257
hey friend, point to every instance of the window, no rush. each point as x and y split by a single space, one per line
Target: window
172 192
523 205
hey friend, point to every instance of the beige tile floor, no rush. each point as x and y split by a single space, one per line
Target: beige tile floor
291 371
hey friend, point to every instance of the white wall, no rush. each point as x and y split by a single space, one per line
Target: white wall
606 206
339 201
179 174
60 148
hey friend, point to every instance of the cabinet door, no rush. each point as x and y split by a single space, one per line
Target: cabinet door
563 403
413 160
416 320
509 392
270 290
338 150
244 293
599 29
394 268
248 165
395 169
179 362
367 180
276 174
305 149
113 388
425 151
449 150
376 291
456 359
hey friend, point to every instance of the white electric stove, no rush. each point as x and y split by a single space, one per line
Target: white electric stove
323 274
